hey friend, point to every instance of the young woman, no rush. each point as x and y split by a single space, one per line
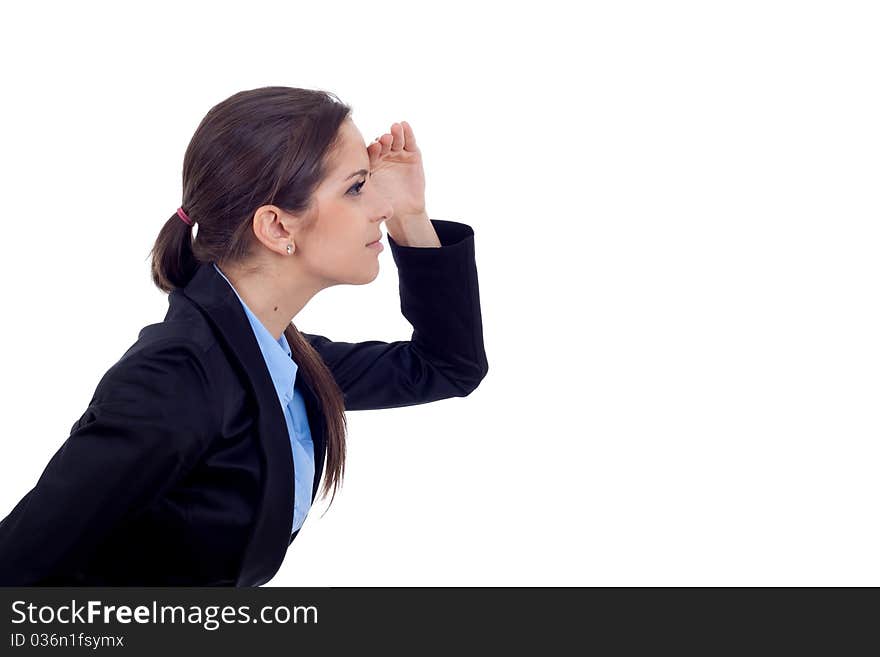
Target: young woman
203 447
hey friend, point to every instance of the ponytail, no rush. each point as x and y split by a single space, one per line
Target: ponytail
174 262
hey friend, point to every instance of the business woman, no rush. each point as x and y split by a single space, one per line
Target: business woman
202 449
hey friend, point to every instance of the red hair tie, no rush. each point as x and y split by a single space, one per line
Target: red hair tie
182 215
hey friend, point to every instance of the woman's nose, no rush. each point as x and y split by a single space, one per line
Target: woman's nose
386 211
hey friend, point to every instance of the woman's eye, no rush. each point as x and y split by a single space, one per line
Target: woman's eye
357 187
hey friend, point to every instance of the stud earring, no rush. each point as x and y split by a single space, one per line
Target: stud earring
289 249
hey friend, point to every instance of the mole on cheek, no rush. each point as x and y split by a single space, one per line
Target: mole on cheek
276 307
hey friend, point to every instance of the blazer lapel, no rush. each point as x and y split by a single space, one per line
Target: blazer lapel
271 530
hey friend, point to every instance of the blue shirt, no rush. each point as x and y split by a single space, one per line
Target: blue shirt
282 369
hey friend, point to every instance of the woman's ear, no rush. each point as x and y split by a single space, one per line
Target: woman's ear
275 228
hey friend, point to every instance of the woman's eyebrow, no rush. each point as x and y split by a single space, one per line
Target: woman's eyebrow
359 172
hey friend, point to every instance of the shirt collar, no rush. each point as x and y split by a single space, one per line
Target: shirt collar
277 353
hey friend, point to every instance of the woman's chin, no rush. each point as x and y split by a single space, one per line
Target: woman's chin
368 276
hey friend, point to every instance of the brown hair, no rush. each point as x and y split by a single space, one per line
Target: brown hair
270 145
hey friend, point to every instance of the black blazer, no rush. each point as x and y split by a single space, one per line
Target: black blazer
180 471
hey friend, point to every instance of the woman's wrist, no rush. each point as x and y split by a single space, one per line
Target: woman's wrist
413 230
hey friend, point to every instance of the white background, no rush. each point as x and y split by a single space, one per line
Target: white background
676 231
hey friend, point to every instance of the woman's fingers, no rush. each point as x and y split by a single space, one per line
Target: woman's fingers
398 142
400 138
373 151
409 136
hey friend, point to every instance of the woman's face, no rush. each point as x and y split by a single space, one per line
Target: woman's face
349 215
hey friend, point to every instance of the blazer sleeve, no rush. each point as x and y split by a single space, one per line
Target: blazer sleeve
445 356
147 424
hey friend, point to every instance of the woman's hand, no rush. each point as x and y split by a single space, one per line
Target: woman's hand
396 164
